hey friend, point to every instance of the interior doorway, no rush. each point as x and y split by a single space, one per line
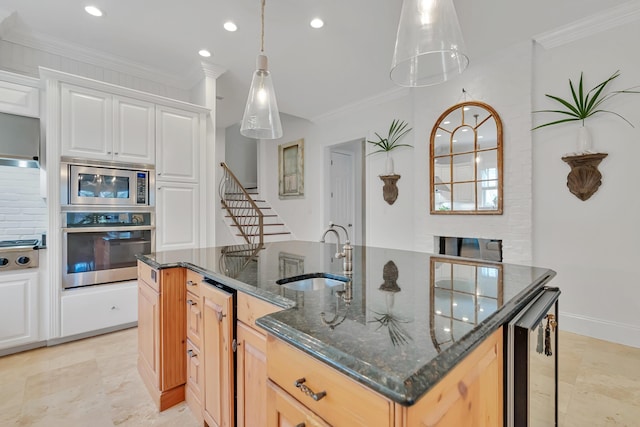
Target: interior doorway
345 198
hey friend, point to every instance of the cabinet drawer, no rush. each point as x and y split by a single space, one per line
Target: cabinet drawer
194 319
150 276
99 307
194 282
346 402
193 392
251 308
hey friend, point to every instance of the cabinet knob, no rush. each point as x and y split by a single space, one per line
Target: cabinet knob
191 283
116 153
191 302
306 390
191 353
108 152
159 173
113 307
300 425
220 315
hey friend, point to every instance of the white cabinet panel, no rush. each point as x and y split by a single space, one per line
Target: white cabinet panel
134 130
98 307
86 127
18 309
177 207
19 99
178 142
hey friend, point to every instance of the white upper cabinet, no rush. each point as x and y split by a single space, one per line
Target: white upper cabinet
134 136
100 126
18 99
178 142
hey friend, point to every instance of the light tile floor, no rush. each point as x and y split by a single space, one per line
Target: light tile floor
95 382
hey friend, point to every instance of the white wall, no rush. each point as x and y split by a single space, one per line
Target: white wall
241 156
23 212
593 245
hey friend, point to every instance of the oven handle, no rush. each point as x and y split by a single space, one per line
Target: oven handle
106 229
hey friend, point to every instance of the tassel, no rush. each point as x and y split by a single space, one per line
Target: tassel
547 339
539 347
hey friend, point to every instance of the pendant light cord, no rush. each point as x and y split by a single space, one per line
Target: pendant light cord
262 34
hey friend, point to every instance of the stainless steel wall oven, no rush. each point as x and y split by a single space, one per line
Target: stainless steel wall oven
100 247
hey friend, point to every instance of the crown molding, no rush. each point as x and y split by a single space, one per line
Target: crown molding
381 98
203 70
99 59
594 24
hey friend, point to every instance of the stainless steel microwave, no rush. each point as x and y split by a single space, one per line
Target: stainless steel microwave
108 186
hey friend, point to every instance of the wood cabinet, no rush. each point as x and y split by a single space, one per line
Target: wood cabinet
18 309
177 215
217 347
161 333
195 361
251 361
470 395
339 400
285 411
101 126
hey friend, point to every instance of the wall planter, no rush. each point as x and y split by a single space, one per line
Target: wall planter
390 189
585 178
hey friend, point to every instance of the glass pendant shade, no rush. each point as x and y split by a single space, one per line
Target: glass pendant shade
429 45
261 118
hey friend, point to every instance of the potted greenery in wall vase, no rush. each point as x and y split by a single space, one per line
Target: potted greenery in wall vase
397 130
584 179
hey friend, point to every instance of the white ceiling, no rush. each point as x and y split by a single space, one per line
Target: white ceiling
314 71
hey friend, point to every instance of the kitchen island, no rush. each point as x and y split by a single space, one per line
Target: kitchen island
401 323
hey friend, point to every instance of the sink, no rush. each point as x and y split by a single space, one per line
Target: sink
312 282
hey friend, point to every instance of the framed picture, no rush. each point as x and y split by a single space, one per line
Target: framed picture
290 265
291 170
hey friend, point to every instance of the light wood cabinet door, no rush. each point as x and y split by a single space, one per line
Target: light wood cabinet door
252 377
149 332
86 123
177 210
218 401
285 411
470 395
134 132
194 319
178 144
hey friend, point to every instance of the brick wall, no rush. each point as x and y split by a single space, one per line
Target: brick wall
23 212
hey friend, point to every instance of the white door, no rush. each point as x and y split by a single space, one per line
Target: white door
134 136
342 195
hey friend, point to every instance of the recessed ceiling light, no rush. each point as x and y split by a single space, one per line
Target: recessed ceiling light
317 23
204 53
92 10
230 26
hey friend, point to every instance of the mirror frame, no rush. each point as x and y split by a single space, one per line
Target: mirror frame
499 151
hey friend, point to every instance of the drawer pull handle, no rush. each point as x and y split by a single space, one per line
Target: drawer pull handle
191 283
220 315
191 353
300 425
191 302
306 390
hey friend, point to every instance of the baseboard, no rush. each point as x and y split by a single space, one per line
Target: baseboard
56 341
620 333
21 348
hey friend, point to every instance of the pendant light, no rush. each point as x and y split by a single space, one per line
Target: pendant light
261 118
429 45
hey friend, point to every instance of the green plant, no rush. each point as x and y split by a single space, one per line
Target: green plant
397 130
583 105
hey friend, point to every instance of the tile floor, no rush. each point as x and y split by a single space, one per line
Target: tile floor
94 382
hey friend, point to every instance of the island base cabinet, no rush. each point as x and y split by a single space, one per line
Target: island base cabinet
285 411
471 395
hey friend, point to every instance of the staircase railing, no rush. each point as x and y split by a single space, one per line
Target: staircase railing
235 259
242 209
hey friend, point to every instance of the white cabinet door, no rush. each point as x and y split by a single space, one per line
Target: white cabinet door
18 309
178 142
86 123
177 207
98 307
134 139
19 99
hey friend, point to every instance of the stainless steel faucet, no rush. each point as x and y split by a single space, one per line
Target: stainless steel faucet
347 249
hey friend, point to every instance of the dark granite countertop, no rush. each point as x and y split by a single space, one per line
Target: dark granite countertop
404 322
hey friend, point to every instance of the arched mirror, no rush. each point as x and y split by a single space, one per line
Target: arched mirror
466 161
